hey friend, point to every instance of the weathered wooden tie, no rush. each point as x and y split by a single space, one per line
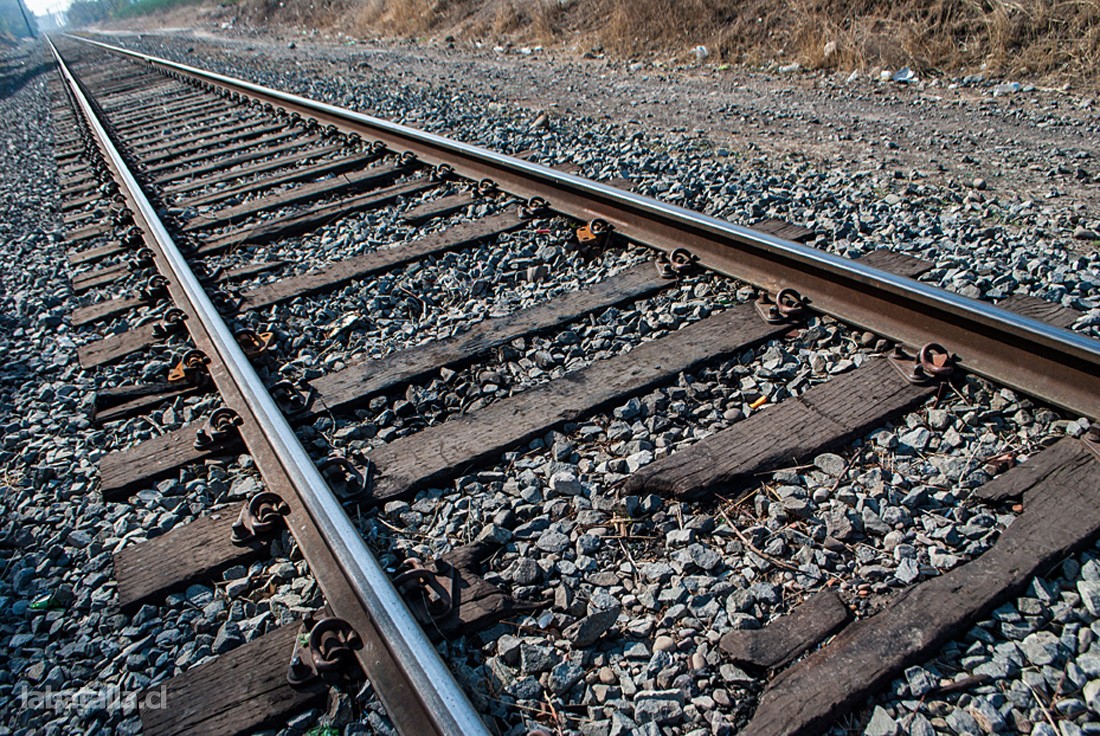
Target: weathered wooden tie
1060 516
789 637
239 692
459 236
288 225
440 452
826 416
365 179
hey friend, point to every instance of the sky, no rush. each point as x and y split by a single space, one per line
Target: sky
42 7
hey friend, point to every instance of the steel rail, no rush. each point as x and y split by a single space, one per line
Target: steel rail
443 707
1049 363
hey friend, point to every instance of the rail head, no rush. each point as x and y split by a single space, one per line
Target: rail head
431 699
1055 365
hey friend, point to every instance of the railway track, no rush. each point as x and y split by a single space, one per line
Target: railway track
190 198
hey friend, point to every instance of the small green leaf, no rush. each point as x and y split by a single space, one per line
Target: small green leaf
323 731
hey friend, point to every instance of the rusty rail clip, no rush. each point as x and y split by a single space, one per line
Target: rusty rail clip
931 363
346 479
170 323
154 288
484 188
217 429
190 369
788 306
253 343
594 233
325 651
408 158
225 301
429 593
142 258
260 515
442 172
675 264
535 207
290 397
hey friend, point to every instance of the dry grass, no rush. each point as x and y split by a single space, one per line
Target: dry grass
1036 39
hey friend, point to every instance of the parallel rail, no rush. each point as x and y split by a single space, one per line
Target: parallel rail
1052 364
418 691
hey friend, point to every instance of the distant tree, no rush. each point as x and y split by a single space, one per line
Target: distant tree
86 12
15 20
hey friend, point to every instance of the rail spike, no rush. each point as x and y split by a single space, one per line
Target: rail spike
931 363
261 515
218 428
325 653
787 306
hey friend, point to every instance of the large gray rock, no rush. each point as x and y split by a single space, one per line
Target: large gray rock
585 632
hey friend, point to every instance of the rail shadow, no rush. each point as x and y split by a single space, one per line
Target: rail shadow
11 82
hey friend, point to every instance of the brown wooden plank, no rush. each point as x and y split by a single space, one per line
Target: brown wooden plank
217 154
95 253
321 168
100 277
786 230
95 230
84 218
216 134
787 638
194 552
225 163
462 235
359 381
176 116
87 185
114 347
105 309
896 263
194 127
368 178
453 447
247 271
74 169
280 227
71 204
1040 309
223 175
139 104
440 207
156 128
1065 458
122 472
141 404
1060 516
828 415
110 396
241 691
125 110
211 145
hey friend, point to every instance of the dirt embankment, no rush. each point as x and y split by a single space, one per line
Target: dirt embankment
1035 40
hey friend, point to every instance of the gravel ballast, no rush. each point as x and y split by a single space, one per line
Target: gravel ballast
638 591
